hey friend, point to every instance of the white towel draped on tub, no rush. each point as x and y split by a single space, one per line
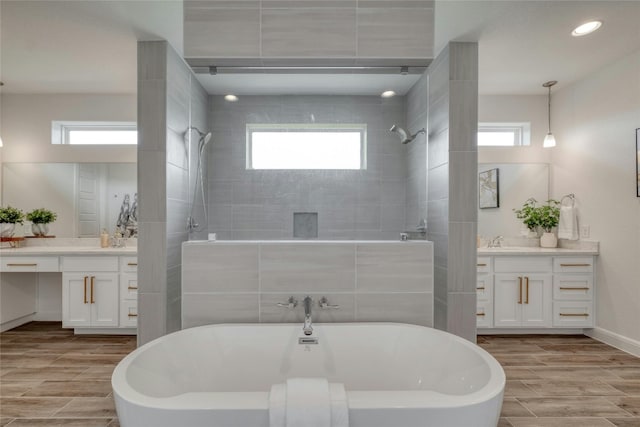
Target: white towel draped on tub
568 224
308 402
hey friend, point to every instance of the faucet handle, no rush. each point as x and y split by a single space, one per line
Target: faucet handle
291 303
324 303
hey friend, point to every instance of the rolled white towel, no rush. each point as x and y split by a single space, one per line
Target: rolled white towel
568 224
278 406
308 403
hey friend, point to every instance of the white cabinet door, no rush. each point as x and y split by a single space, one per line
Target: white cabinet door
507 305
89 299
76 306
104 293
536 300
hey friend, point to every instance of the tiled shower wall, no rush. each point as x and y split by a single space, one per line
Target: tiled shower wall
416 153
231 282
351 204
452 186
169 101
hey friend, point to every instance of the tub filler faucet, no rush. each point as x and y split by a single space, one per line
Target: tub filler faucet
307 329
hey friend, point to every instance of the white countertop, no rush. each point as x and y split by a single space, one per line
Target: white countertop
528 251
303 242
66 250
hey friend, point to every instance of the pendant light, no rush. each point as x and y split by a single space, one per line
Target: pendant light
549 140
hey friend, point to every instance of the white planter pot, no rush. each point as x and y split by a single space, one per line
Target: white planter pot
40 229
7 229
548 240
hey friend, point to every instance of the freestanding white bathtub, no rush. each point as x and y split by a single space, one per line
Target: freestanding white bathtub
395 375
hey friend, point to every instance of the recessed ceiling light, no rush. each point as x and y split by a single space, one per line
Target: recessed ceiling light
587 28
388 94
230 98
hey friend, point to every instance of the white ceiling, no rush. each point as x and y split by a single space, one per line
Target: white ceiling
89 46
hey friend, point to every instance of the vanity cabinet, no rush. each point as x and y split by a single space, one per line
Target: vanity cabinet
535 292
128 292
90 291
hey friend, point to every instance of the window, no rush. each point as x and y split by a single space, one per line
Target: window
503 134
306 146
94 133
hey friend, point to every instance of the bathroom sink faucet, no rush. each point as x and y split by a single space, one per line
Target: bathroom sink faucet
307 329
496 242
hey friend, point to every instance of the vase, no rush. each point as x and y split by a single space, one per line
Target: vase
40 229
548 240
7 229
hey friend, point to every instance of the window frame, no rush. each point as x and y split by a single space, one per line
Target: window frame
306 127
522 132
60 130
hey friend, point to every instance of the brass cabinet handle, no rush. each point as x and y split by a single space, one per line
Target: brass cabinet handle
481 288
21 264
520 287
93 278
482 265
132 315
574 289
480 314
575 265
574 314
132 264
526 281
85 290
132 288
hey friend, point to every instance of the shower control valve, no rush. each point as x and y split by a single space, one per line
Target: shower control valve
291 303
324 303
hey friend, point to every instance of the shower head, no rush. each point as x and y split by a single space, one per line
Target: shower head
404 137
204 140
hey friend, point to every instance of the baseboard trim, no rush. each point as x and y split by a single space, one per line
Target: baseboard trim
48 316
529 331
105 331
16 322
618 341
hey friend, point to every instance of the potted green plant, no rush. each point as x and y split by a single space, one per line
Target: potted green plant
529 215
40 220
9 217
548 218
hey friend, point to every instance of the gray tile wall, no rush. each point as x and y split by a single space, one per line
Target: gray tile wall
244 281
169 101
287 30
253 204
452 178
417 118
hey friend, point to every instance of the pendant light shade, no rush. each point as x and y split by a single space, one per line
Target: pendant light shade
549 140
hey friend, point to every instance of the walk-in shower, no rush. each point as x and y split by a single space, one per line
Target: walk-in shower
203 140
404 137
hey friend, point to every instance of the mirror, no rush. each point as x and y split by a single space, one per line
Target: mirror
86 196
518 182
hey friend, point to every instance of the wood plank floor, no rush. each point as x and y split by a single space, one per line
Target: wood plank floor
566 381
50 377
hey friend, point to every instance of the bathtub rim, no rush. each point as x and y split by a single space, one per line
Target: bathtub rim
358 399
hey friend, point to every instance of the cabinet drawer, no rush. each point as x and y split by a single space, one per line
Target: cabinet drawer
484 287
128 314
128 264
35 263
577 314
573 264
484 265
573 287
512 264
484 314
89 263
129 286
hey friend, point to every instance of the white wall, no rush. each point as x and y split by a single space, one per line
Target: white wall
515 108
26 126
595 121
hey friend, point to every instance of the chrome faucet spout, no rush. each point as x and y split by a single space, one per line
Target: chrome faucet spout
307 329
